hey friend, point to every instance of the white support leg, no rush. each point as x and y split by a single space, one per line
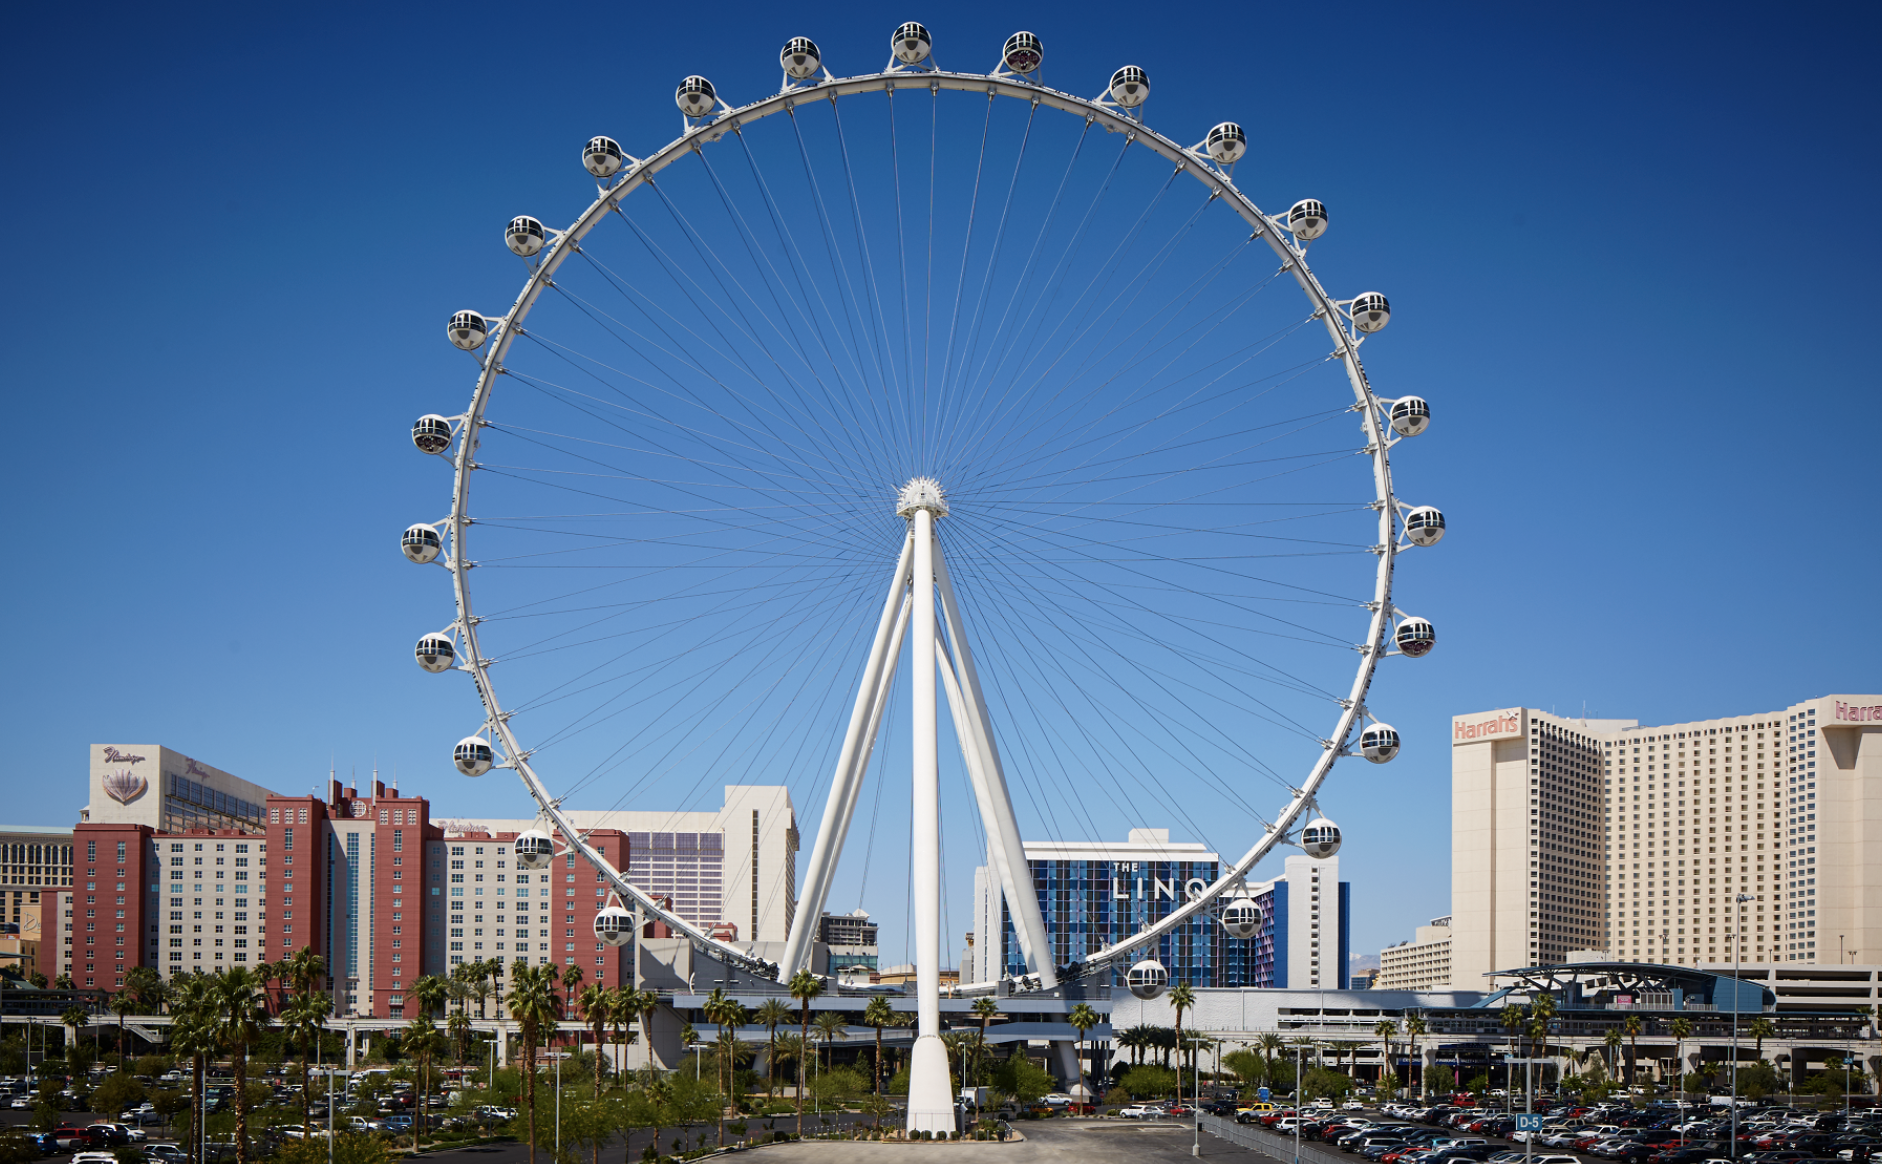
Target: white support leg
930 1096
971 757
875 722
1003 831
846 780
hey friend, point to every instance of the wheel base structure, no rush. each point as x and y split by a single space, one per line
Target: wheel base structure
930 1095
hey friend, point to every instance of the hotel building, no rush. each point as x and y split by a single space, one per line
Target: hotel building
1092 894
1424 963
211 871
1602 835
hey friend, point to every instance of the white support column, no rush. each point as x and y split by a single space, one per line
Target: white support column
930 1097
1003 834
846 780
883 689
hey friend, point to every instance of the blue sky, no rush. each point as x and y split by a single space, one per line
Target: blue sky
1629 251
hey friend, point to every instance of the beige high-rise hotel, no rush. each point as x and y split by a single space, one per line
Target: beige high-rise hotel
1602 835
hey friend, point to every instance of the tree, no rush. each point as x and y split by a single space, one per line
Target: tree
1613 1039
1082 1018
597 1002
347 1149
571 983
304 1019
804 986
423 1041
728 1015
1633 1028
432 992
879 1014
1511 1017
640 1006
458 1026
770 1015
829 1025
1760 1029
192 1032
533 1002
1182 997
1414 1026
984 1010
240 1011
1386 1029
1682 1030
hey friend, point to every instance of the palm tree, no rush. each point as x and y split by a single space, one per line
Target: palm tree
1760 1029
1182 997
458 1026
192 1033
1386 1029
1414 1026
1682 1030
303 969
421 1039
718 1009
1511 1017
804 986
240 1010
478 976
1632 1026
304 1019
829 1026
618 1018
571 985
640 1005
533 1002
1083 1018
597 1002
984 1010
432 992
879 1014
1271 1042
1613 1039
772 1013
123 1003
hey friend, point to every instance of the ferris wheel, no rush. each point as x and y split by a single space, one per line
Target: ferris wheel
912 387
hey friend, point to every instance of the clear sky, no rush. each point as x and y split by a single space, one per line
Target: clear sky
1629 249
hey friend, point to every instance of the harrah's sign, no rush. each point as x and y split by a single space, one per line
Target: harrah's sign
1493 726
1849 713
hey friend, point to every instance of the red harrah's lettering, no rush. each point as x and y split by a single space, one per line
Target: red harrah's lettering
1496 725
1850 714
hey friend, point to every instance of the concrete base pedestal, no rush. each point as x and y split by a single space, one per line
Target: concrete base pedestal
930 1095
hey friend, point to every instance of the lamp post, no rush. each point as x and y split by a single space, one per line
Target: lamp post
1298 1049
1738 961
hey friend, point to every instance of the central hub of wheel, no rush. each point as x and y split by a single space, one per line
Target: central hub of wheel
921 493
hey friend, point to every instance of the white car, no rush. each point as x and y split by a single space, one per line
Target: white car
1143 1111
93 1158
22 1103
1057 1099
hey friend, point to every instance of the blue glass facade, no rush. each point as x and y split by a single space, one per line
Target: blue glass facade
1089 904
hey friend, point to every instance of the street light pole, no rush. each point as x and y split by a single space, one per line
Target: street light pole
1738 983
1297 1109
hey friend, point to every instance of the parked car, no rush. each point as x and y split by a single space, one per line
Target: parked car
1148 1111
71 1139
398 1124
165 1153
131 1134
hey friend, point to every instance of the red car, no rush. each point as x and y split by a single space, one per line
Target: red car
76 1139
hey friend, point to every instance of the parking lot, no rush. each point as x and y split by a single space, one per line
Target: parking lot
1569 1134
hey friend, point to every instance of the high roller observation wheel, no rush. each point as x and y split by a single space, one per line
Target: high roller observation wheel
1388 630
